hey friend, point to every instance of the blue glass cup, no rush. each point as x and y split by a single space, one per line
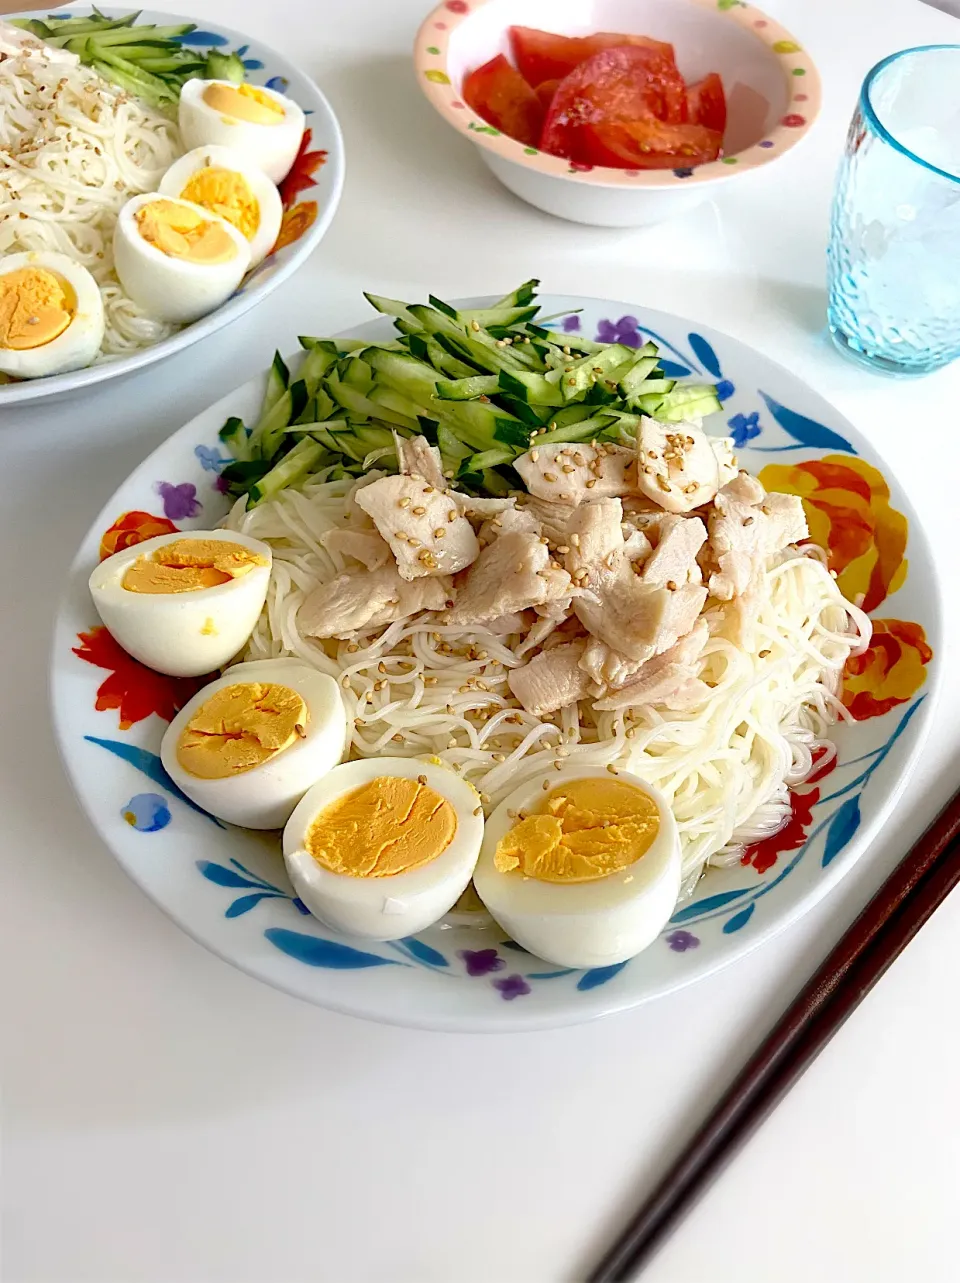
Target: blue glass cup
894 254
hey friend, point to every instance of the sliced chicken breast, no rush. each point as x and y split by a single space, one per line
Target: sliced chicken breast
423 526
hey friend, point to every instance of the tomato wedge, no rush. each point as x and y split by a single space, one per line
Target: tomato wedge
627 83
545 91
648 144
497 92
707 104
543 55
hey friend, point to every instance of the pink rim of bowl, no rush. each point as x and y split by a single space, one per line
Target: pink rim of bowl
801 79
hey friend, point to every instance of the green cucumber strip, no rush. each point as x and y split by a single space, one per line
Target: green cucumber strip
315 364
278 380
505 317
233 434
358 404
293 467
532 388
579 376
522 296
528 414
445 308
466 389
587 430
391 400
392 307
488 459
631 381
268 434
358 374
451 447
414 379
494 483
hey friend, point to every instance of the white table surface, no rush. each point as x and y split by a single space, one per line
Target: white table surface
169 1120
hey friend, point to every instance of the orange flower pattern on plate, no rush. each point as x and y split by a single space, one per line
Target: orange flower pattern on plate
302 171
848 509
847 503
133 689
889 672
133 528
295 222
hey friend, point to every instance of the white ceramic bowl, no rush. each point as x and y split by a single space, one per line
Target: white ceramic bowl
771 85
308 209
229 889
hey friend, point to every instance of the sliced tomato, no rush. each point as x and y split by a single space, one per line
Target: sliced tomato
543 55
497 92
707 104
545 91
627 83
648 144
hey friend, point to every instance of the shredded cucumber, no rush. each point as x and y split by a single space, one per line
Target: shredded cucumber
477 383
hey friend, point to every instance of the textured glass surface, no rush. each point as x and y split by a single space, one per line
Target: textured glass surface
894 254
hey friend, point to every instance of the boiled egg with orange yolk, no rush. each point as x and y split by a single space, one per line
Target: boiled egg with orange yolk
248 746
177 260
223 181
383 847
51 315
184 603
581 866
264 125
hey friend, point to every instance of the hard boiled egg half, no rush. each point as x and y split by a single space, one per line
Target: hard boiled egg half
177 260
248 746
184 603
51 315
264 125
582 866
383 847
222 181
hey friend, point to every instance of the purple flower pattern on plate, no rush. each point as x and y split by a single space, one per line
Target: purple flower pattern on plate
178 501
511 987
480 962
681 941
623 331
744 427
571 324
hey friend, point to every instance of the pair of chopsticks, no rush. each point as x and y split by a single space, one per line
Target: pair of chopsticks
915 888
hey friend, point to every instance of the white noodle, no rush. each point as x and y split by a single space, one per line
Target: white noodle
422 687
73 150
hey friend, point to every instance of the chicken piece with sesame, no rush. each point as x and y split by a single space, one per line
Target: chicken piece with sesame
747 527
573 473
421 460
677 467
422 524
551 681
367 600
513 573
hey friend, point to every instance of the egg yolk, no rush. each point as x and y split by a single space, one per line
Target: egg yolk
187 565
584 830
182 233
241 727
227 193
382 828
244 102
36 306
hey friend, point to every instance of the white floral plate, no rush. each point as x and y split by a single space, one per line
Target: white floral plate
310 193
228 888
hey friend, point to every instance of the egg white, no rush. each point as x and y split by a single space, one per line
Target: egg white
184 634
169 288
394 907
264 191
265 796
583 924
80 342
271 147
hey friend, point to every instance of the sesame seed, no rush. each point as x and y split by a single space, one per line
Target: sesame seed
568 469
672 585
610 560
381 667
404 502
662 482
763 653
475 326
345 681
549 476
414 543
398 738
534 455
575 540
478 810
352 647
545 785
591 483
571 383
419 510
598 369
748 521
421 779
612 769
563 548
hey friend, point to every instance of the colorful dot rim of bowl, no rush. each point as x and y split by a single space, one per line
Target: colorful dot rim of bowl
766 143
432 49
785 46
793 121
798 71
760 22
437 77
800 97
457 6
439 26
729 160
458 105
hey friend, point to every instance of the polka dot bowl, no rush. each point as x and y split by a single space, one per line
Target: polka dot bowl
771 83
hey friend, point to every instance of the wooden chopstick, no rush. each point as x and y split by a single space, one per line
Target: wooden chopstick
916 887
